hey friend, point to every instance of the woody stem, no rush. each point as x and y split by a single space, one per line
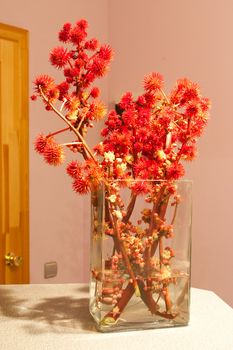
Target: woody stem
130 208
58 132
126 296
121 247
77 133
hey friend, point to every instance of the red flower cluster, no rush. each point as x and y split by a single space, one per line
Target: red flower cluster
53 152
154 133
84 62
146 137
85 176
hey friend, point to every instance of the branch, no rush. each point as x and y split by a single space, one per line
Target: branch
114 314
77 133
130 208
121 246
58 132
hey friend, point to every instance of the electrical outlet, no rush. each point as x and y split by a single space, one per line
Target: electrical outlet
50 269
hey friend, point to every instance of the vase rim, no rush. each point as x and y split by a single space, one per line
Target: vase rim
150 180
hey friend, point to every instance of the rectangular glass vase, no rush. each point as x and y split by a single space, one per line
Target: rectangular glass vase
140 254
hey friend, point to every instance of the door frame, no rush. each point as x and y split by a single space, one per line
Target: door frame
7 274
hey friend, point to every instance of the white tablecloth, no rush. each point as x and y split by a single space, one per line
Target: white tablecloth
55 317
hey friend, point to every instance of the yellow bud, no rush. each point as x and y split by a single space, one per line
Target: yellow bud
108 321
161 155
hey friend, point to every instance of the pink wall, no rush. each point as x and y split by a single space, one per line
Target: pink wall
59 219
193 39
178 38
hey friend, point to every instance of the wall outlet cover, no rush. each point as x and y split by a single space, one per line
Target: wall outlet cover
50 269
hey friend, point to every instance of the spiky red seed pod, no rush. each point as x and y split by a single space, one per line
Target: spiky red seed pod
99 148
141 100
81 185
192 109
64 34
91 44
77 35
82 24
98 67
189 152
33 97
59 57
73 169
126 100
150 99
205 104
79 63
175 171
45 82
63 89
53 153
40 143
95 92
153 82
97 110
140 188
89 78
53 94
106 52
94 172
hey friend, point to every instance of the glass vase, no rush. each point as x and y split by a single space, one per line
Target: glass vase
140 254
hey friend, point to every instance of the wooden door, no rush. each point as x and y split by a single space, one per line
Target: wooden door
14 226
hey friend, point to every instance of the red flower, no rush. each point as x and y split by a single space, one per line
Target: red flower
64 34
113 121
77 35
185 91
175 171
140 187
205 104
126 100
153 82
106 53
99 148
53 94
79 63
146 137
129 117
141 100
192 109
72 103
74 169
82 24
145 169
59 57
81 184
63 89
189 152
44 82
150 99
83 56
88 79
98 67
95 92
94 172
53 153
40 143
33 97
97 110
91 44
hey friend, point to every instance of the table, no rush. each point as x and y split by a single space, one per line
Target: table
55 317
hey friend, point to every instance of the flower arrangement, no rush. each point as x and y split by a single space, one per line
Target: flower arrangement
145 141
